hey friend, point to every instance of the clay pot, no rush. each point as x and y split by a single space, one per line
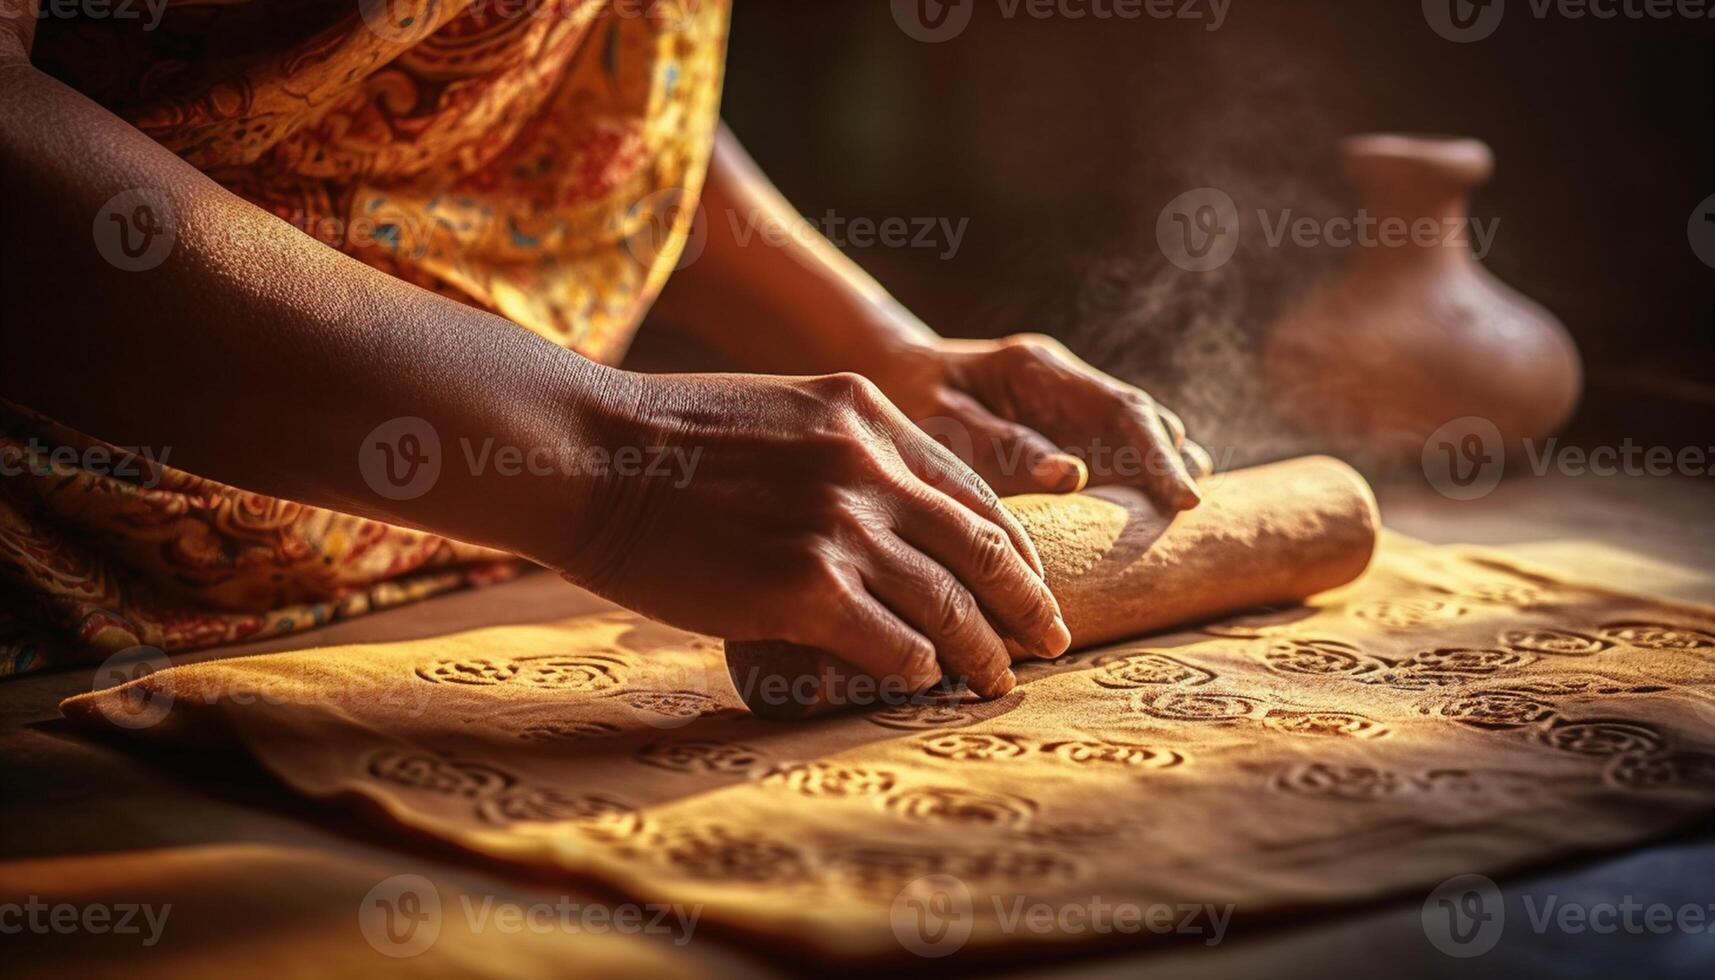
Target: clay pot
1416 332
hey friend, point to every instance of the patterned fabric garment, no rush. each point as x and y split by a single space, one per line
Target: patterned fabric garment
534 158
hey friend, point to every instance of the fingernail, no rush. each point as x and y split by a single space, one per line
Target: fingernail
1060 473
1003 684
1080 474
1189 495
1057 640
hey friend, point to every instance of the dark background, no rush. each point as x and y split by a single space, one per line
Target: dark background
1061 140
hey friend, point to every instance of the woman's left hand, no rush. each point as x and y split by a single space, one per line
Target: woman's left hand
1030 417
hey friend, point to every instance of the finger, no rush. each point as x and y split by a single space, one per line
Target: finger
1175 425
928 598
1165 477
979 554
866 634
1197 459
1018 458
942 471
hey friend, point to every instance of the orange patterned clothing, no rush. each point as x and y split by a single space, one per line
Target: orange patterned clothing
528 157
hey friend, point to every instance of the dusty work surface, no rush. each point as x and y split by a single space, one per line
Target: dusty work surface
68 796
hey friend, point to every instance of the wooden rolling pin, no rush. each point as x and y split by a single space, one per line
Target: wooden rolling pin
1269 535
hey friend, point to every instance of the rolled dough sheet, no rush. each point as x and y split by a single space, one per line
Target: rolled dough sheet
1452 712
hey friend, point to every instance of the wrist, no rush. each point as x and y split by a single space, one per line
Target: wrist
571 434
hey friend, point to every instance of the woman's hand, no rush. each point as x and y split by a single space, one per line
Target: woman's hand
1029 416
810 510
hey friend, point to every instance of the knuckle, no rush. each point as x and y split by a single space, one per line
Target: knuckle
1034 343
854 387
951 612
990 548
1138 401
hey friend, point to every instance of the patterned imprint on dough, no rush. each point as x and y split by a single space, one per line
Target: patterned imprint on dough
1338 782
1584 684
417 770
1314 656
825 779
673 704
474 671
1561 643
1114 754
1496 709
881 870
726 854
566 731
974 746
1196 706
538 804
1666 771
947 804
1402 614
592 672
1098 835
943 709
700 756
1150 669
1505 594
1335 723
1603 738
1445 667
1659 636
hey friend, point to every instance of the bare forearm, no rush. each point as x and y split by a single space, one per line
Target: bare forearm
772 295
260 356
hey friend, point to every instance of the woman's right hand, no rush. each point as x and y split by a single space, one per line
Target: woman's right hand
808 510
